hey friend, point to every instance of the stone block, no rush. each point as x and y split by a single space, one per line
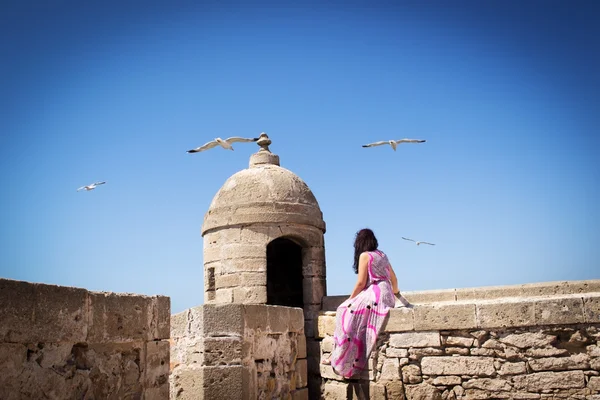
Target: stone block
250 295
591 305
237 265
278 319
506 314
301 346
256 316
463 351
447 381
223 320
160 319
196 321
156 372
157 393
575 361
179 324
227 280
512 368
422 391
415 339
550 380
411 374
528 339
253 279
224 296
459 341
487 384
390 370
445 316
335 391
242 251
17 311
395 352
296 320
313 290
118 317
222 351
458 365
567 310
301 373
399 320
594 383
325 326
488 293
255 234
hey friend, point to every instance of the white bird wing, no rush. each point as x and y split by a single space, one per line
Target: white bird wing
81 188
206 146
99 183
376 144
410 141
432 244
240 139
407 239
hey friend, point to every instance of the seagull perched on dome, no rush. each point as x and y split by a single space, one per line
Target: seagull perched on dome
91 187
226 144
394 143
418 243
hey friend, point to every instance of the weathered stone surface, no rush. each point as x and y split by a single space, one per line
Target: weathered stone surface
593 350
415 339
61 313
223 320
115 317
224 350
250 295
335 391
223 296
488 384
325 326
445 316
301 373
390 369
422 391
459 341
545 352
457 350
506 314
296 323
301 346
160 319
576 361
418 353
157 365
550 380
447 380
399 320
395 352
278 318
591 306
457 365
594 383
482 352
559 311
528 339
16 312
313 290
411 374
394 390
512 368
227 280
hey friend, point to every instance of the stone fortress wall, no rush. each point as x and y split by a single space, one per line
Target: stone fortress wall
67 343
535 341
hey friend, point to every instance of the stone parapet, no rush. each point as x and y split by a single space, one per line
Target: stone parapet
540 342
70 341
238 351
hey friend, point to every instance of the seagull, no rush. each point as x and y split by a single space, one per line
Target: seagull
394 143
226 144
91 187
418 243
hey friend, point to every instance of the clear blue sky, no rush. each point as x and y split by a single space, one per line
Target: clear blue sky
506 93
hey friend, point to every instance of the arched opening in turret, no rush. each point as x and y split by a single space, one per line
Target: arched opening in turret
284 273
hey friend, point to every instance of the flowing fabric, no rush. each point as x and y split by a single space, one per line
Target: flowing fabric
360 319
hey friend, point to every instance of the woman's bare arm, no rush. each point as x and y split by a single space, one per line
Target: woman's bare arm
394 280
363 263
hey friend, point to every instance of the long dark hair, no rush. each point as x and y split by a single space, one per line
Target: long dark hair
365 241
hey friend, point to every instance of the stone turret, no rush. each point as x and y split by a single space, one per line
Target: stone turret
263 238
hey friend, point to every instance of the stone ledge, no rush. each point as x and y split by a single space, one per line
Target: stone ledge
42 313
485 314
471 295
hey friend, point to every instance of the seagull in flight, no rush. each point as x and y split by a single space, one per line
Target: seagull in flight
394 143
91 187
418 243
226 144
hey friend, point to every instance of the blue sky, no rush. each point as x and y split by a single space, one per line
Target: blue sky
506 93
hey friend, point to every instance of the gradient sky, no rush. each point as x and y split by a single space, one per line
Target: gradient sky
506 93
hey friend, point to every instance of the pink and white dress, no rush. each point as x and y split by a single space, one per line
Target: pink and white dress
359 320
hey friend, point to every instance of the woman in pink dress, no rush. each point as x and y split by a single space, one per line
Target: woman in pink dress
360 318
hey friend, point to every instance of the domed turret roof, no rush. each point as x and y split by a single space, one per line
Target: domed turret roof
263 193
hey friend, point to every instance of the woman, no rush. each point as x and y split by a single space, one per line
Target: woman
359 319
